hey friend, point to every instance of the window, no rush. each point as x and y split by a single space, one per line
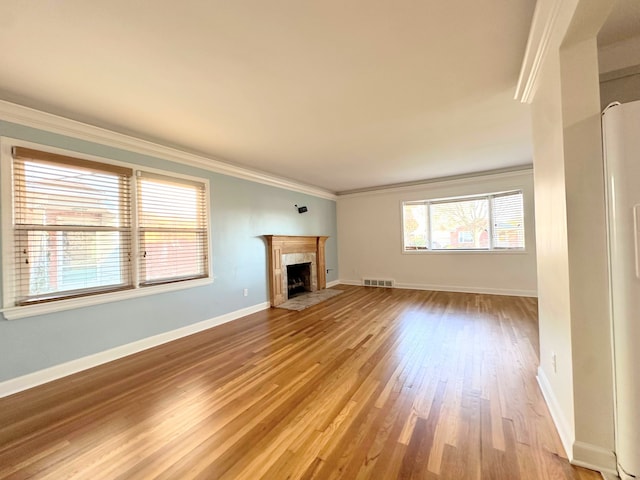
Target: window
460 224
72 226
78 229
487 222
508 221
172 231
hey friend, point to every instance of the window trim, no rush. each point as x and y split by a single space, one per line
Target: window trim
465 251
11 312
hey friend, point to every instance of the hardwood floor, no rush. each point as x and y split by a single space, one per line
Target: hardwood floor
374 383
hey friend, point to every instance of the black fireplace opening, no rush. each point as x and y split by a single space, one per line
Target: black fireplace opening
298 279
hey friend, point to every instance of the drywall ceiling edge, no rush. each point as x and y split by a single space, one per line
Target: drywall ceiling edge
14 113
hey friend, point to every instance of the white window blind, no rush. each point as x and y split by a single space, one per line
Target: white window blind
72 227
172 229
508 221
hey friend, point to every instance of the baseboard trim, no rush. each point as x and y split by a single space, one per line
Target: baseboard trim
333 283
609 476
453 288
560 421
595 458
30 380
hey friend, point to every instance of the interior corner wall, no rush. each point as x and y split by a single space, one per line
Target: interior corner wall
572 255
370 242
241 212
588 258
623 89
619 66
554 308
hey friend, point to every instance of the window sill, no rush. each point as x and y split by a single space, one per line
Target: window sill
14 313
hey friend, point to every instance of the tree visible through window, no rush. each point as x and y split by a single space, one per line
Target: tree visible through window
488 222
461 224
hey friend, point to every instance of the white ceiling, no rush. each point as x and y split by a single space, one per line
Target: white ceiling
338 94
622 24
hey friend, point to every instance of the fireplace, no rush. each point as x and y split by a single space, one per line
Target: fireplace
286 250
298 279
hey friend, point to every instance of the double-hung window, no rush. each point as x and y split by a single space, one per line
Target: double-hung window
172 229
484 222
72 226
83 227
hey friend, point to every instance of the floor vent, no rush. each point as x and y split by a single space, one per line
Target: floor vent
372 282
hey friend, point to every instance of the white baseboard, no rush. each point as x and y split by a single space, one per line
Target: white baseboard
562 425
333 284
595 458
580 454
453 288
30 380
610 476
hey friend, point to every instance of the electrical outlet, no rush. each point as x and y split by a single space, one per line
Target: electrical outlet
245 292
554 362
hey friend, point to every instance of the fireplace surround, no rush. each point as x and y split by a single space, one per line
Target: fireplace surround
286 250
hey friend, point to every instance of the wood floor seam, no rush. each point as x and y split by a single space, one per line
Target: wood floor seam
370 384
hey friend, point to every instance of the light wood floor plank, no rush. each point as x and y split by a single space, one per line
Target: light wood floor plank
371 384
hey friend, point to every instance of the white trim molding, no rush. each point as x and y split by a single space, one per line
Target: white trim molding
471 179
560 421
594 458
454 288
30 380
542 28
333 284
29 117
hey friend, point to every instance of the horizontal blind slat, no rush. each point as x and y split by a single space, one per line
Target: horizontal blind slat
24 153
72 227
508 221
172 230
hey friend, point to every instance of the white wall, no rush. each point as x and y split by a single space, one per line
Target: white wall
620 55
571 236
619 66
370 242
622 86
588 258
554 311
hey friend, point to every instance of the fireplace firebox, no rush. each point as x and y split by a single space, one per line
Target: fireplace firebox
298 279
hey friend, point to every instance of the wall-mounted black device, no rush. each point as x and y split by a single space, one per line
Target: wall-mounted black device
301 209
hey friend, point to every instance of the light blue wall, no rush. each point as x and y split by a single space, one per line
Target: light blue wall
241 212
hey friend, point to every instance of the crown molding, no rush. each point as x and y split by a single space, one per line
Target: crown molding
29 117
543 25
470 178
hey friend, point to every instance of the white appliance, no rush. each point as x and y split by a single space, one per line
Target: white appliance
621 133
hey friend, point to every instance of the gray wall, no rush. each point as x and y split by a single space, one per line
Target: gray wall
620 86
241 212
